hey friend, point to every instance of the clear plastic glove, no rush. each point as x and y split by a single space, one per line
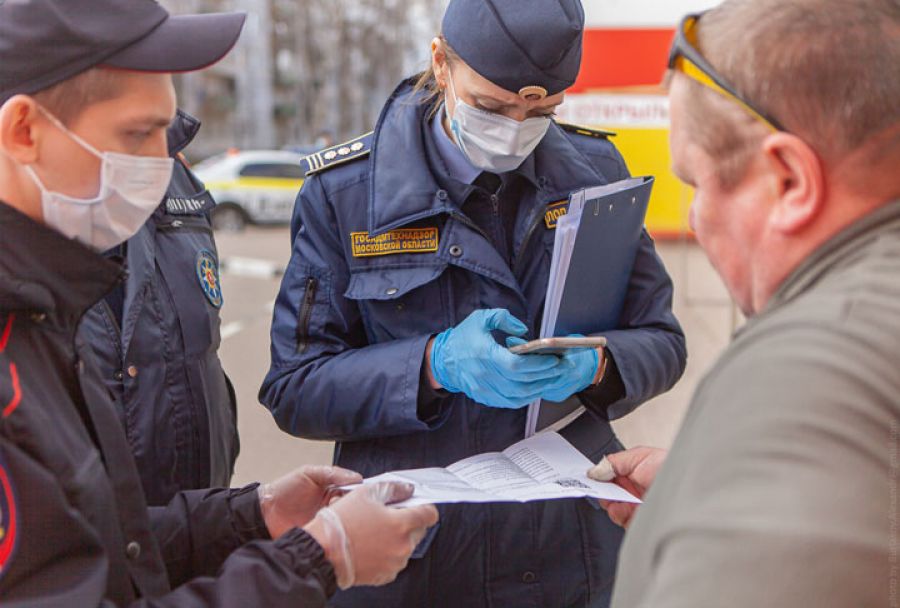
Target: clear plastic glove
577 370
293 500
467 359
367 542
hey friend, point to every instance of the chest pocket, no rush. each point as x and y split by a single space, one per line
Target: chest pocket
189 263
399 303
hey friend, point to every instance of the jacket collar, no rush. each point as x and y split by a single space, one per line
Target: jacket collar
457 166
403 187
844 250
44 273
181 132
841 251
561 168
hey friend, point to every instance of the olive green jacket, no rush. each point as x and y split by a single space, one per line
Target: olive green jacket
781 489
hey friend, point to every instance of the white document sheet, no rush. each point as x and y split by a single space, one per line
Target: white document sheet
542 467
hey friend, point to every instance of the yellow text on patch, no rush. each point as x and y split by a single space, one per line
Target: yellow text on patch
554 212
402 240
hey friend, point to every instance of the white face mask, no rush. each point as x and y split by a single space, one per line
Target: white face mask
131 188
493 142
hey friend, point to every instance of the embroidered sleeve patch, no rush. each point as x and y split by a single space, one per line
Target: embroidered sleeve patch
208 275
554 212
403 240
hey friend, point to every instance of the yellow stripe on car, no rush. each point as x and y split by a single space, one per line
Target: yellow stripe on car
257 183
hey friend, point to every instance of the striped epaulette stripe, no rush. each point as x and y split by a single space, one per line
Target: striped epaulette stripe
339 154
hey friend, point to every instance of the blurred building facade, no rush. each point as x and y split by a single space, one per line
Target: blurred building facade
305 69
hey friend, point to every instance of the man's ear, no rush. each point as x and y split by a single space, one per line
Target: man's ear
18 137
799 182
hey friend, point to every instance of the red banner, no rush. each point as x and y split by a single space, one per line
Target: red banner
616 58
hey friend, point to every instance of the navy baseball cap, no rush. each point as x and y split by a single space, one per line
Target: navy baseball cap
523 47
44 42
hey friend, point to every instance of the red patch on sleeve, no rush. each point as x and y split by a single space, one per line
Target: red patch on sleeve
17 391
7 329
8 532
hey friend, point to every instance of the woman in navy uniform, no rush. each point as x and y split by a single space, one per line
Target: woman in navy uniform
443 218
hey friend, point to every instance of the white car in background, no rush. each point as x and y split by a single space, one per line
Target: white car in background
252 187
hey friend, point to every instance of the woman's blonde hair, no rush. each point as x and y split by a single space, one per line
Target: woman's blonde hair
427 81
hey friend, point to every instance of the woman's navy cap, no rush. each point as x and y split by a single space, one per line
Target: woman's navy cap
518 43
44 42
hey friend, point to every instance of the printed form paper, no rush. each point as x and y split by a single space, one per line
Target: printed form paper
542 467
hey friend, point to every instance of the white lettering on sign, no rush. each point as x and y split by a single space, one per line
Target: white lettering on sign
640 13
611 111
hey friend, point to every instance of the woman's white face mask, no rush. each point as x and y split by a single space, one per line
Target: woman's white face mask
131 188
493 142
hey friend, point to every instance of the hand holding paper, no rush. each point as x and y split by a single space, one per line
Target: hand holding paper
367 542
293 500
634 470
542 467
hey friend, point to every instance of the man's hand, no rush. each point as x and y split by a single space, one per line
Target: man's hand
367 542
634 470
293 500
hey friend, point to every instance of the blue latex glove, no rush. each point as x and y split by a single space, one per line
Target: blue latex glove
467 359
578 366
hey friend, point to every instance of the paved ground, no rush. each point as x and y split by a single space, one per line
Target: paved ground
250 289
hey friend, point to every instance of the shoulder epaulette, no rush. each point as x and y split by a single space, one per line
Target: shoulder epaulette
588 131
339 154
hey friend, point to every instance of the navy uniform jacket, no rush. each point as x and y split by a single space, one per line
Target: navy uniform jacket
160 359
353 318
74 527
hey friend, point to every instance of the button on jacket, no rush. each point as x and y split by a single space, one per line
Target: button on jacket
158 353
76 530
361 297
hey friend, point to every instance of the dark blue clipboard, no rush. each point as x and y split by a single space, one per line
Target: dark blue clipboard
602 259
607 241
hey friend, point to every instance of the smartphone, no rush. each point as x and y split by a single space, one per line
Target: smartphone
556 346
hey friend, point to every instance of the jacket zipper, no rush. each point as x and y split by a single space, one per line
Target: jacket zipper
528 235
537 222
309 298
462 218
111 316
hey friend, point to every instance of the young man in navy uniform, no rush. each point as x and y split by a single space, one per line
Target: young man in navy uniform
442 218
75 529
156 338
